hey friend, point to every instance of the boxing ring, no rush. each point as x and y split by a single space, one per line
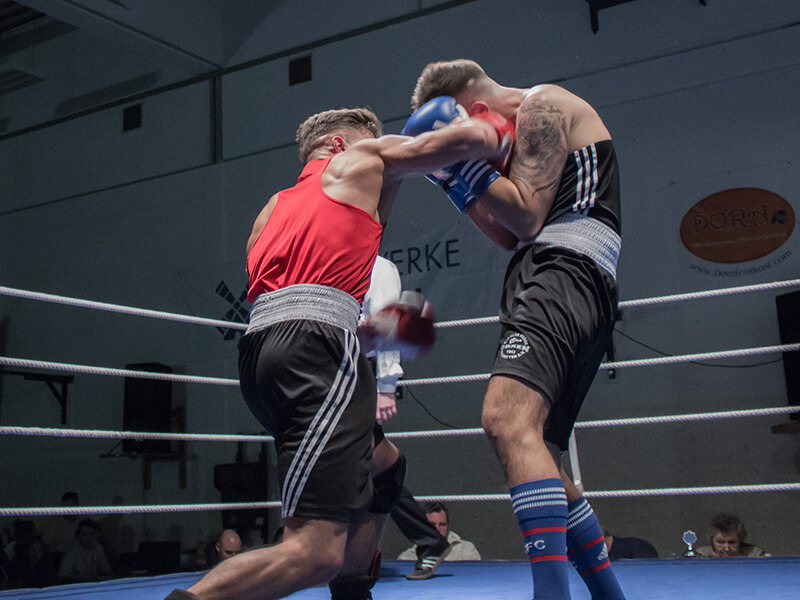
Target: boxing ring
652 579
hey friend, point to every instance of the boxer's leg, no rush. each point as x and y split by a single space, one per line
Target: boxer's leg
586 547
310 554
361 567
513 417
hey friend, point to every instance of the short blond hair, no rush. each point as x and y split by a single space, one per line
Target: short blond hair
318 125
445 78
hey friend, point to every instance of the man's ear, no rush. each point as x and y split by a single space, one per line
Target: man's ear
337 144
478 108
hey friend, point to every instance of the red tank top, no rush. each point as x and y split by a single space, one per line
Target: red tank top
313 238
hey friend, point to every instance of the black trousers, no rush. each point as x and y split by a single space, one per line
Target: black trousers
412 522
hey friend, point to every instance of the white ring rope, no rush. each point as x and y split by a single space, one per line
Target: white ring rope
127 510
142 312
133 435
679 491
40 364
661 360
707 416
433 433
163 508
666 360
654 300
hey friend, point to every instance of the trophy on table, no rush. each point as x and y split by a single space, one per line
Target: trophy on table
689 538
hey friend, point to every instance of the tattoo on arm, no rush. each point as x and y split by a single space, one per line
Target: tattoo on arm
541 146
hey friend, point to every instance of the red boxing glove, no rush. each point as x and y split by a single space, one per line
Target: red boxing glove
405 326
505 139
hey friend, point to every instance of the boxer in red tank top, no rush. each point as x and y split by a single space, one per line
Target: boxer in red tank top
302 375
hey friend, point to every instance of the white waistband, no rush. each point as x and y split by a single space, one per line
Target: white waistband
584 235
305 301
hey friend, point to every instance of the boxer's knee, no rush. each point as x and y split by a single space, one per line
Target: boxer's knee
513 410
317 548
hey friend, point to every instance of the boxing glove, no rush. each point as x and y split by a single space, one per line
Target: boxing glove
463 182
434 114
405 326
456 190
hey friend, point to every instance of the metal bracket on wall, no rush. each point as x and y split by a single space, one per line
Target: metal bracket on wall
51 381
596 5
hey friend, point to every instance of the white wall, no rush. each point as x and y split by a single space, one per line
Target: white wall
698 99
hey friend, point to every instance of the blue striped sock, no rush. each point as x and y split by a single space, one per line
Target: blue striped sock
588 553
541 509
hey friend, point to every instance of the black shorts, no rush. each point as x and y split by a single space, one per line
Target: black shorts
310 387
557 314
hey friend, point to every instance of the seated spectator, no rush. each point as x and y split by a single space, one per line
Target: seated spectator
58 531
22 532
627 547
726 534
85 559
228 544
459 549
33 565
5 570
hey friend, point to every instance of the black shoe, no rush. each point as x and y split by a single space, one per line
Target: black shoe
181 595
425 567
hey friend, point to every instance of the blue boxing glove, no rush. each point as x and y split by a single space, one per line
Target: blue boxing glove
474 175
434 114
463 182
456 190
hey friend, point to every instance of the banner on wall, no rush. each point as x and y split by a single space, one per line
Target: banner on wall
452 265
737 226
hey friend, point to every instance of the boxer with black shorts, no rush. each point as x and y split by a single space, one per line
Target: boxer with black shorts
302 373
555 200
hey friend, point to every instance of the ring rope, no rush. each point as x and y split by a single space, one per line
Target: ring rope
133 435
654 300
40 364
665 360
678 491
142 312
133 509
661 360
433 433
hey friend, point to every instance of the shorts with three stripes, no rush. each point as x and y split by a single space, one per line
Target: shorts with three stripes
309 386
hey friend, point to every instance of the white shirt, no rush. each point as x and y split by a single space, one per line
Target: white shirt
384 289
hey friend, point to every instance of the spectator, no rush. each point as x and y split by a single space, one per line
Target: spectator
5 570
228 544
627 547
116 536
23 530
437 514
33 565
85 559
726 535
58 531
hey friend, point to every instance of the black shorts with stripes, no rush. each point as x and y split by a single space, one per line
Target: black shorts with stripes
309 386
557 315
